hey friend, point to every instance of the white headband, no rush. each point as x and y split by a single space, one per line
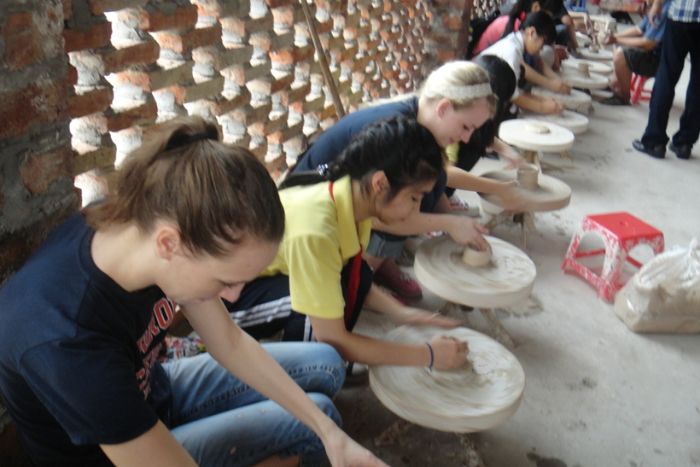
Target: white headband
472 91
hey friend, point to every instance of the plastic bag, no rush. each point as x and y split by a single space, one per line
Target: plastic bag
664 295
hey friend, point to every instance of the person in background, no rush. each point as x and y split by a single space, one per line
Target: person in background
639 52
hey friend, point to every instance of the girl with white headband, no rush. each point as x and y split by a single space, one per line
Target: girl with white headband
454 100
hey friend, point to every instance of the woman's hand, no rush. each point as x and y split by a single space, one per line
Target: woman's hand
467 231
510 197
559 86
449 353
551 106
418 317
342 451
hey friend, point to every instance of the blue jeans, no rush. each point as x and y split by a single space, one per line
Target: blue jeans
221 421
679 40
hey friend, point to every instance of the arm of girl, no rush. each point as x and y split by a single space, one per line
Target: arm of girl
243 356
461 179
463 230
448 353
380 301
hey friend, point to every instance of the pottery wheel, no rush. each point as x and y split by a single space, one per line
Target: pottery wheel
522 134
582 39
600 54
577 101
551 193
459 401
577 79
573 121
593 66
505 281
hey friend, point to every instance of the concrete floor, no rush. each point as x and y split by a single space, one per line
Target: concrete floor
597 394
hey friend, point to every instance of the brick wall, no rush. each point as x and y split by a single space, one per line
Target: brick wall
80 79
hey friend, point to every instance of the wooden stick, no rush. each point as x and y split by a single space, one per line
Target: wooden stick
328 78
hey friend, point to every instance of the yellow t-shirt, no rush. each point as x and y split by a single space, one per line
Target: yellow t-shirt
320 236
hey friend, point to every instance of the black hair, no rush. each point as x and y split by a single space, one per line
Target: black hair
521 8
401 147
543 23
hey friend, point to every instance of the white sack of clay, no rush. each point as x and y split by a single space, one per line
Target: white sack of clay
664 295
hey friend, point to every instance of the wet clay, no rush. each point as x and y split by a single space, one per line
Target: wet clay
463 400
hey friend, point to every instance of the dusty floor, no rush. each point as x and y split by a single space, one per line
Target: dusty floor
597 394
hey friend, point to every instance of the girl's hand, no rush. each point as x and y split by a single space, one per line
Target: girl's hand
449 353
467 231
550 106
342 451
418 317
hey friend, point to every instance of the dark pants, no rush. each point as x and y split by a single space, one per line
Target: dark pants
679 40
294 325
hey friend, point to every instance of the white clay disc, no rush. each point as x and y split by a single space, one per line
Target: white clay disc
593 66
506 280
577 101
460 401
519 133
551 193
600 54
582 39
578 80
600 94
573 121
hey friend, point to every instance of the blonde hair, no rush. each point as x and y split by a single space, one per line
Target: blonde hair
216 194
452 81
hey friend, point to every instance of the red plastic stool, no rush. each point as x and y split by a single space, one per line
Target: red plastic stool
637 91
621 232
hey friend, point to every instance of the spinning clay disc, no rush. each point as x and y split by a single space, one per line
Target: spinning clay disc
600 54
507 279
528 134
550 194
579 80
573 121
577 101
463 400
593 66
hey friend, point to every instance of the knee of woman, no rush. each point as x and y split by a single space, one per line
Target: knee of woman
330 358
326 405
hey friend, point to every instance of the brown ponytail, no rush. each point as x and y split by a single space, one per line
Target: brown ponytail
215 193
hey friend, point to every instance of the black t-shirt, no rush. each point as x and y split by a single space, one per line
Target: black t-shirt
332 142
78 354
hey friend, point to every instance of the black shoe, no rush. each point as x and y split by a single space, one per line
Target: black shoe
658 152
682 151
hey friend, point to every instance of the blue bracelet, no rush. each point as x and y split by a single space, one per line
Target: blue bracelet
432 356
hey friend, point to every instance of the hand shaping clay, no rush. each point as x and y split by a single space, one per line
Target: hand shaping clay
476 258
463 400
592 66
549 194
577 101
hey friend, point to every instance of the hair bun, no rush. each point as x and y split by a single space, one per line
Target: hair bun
189 135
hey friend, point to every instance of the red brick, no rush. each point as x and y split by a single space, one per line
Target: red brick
67 9
38 171
183 17
98 7
143 114
91 102
22 41
452 22
31 107
139 54
185 42
93 38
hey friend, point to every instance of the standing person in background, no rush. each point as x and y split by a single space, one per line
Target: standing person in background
682 37
82 325
452 103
